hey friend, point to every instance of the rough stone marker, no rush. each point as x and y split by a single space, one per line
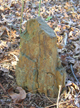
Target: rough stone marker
39 67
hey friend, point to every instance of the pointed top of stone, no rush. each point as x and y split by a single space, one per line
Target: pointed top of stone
45 27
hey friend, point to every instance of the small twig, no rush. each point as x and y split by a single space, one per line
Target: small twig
2 88
15 56
21 16
62 102
18 104
49 99
58 96
39 7
74 74
36 105
68 94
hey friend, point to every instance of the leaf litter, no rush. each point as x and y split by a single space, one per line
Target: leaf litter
63 17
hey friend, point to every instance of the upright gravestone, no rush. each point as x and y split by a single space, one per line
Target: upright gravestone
39 67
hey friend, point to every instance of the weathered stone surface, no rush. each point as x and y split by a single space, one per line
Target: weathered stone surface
39 67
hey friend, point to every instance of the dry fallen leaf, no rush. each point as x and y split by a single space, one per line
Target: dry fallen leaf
69 83
1 8
1 33
60 46
17 97
32 107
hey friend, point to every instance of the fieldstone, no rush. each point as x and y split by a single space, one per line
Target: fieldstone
39 67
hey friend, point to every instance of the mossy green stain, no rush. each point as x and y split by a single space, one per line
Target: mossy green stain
28 57
26 36
34 78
